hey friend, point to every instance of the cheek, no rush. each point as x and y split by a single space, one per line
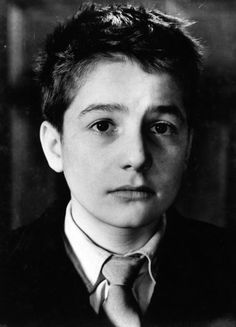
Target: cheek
170 164
82 164
168 177
74 161
176 159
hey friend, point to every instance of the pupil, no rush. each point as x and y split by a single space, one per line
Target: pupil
102 126
161 128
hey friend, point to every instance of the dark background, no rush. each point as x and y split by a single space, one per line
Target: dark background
27 185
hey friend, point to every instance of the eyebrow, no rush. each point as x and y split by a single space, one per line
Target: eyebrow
169 109
111 107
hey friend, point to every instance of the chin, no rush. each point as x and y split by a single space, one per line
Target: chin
136 219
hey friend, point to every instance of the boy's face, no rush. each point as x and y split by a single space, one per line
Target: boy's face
124 145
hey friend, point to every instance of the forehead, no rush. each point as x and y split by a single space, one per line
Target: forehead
126 83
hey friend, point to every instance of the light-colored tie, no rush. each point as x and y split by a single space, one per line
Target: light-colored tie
120 307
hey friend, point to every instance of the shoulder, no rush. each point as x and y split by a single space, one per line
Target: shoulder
196 233
39 235
198 248
35 250
32 248
35 266
195 273
40 280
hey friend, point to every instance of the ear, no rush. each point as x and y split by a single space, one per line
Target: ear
51 143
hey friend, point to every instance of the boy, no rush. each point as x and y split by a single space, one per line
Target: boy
119 87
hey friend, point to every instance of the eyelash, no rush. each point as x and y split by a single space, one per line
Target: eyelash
171 129
108 122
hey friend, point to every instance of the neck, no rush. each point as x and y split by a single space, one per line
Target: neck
112 238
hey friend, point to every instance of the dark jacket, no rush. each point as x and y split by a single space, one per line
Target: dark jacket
42 288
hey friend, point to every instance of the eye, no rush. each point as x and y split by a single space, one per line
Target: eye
103 126
163 128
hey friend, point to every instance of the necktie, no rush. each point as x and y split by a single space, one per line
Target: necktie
120 307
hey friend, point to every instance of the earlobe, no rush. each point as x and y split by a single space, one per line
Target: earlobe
51 143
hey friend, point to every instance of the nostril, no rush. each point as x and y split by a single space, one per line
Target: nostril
136 154
147 164
139 165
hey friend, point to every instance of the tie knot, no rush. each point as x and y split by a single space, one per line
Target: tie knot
122 270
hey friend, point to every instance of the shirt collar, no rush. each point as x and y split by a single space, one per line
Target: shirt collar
90 259
150 248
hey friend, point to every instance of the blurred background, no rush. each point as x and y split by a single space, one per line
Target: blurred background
27 185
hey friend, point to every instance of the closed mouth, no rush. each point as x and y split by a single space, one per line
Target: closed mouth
130 193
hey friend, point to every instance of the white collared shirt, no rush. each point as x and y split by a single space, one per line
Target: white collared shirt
88 259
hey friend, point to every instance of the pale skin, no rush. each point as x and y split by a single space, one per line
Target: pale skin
123 150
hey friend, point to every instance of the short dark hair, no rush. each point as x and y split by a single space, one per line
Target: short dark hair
157 42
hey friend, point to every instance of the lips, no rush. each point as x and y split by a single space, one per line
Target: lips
131 193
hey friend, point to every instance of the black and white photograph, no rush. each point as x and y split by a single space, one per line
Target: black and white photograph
118 158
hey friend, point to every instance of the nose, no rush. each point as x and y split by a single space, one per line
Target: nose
136 155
